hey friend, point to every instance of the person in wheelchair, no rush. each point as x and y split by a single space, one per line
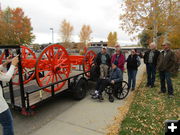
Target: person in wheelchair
115 77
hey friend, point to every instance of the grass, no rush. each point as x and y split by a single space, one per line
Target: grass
149 110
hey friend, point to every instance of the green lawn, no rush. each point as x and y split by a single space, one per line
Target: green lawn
149 110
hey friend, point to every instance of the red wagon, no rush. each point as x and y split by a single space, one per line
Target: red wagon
51 70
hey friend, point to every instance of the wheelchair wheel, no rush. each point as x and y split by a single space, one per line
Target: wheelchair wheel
121 94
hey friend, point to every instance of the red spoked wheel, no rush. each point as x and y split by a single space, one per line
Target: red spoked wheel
88 61
52 65
28 60
2 57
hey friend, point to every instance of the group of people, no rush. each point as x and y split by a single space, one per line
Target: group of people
111 73
111 70
164 62
112 67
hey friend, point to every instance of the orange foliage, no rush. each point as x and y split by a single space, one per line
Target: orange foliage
15 27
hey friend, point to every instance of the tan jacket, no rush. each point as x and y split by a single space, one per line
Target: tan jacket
167 62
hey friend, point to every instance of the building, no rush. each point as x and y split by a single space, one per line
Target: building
101 43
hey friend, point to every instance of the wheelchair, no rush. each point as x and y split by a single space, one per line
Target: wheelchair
119 90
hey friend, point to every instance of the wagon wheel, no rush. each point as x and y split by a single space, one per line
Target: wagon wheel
27 55
54 64
88 61
28 59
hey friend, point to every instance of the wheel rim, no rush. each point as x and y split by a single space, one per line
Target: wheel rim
54 62
124 92
88 61
28 59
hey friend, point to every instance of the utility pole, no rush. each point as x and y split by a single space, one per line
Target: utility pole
52 35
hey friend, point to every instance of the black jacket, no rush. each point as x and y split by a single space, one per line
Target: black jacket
133 62
98 59
156 55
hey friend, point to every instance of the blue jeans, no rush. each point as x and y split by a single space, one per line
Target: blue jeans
132 78
166 76
7 122
151 74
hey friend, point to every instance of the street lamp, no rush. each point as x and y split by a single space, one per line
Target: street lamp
52 35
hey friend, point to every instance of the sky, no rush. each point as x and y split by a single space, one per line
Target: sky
101 15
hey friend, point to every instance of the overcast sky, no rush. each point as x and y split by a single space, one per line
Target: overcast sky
101 15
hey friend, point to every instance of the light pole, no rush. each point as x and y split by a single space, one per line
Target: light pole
52 35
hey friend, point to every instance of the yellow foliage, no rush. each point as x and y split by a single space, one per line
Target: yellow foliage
85 34
112 39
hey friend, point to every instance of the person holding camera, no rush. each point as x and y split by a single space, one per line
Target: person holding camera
5 115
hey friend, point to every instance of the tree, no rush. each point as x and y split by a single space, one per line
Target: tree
112 39
66 33
85 34
144 39
15 27
154 16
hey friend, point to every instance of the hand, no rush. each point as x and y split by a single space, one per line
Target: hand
112 81
15 61
9 58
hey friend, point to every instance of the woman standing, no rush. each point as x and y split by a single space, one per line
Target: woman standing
133 62
5 115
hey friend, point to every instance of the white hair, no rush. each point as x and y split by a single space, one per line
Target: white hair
166 42
153 43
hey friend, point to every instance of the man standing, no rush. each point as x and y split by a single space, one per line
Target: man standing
119 57
133 62
103 61
150 59
166 62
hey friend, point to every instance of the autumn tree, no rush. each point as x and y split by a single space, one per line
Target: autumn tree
15 27
112 39
144 39
66 30
85 34
157 17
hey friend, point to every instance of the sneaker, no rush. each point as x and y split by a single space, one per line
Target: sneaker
160 92
95 96
94 93
170 96
100 98
111 99
132 89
